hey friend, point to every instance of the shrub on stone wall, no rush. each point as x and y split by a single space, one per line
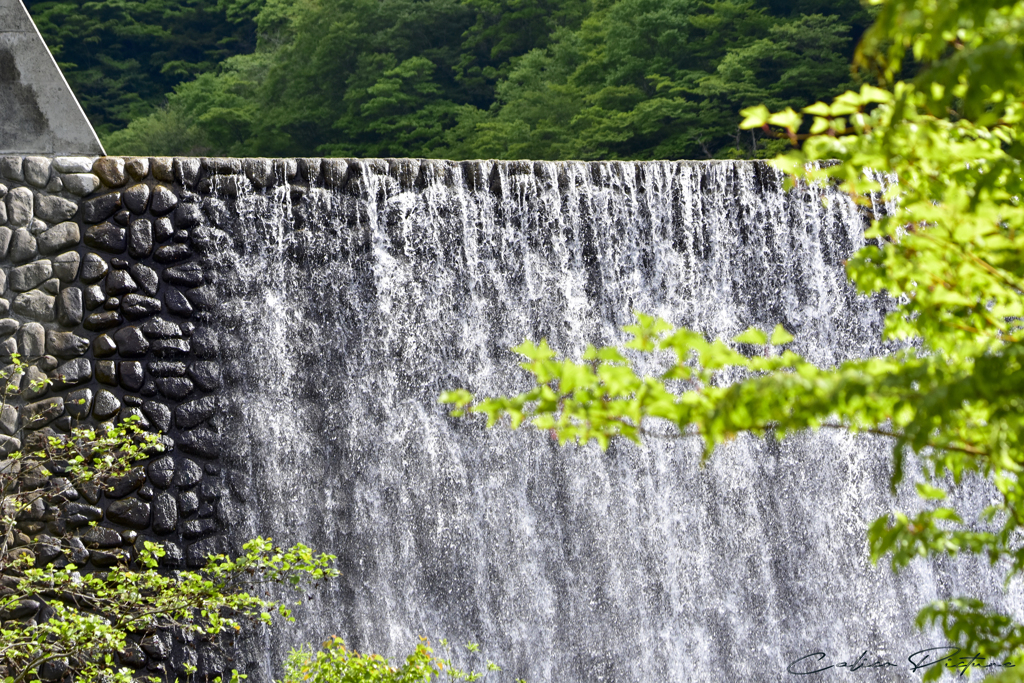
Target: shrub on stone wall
58 622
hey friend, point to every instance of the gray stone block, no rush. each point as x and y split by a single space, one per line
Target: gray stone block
54 209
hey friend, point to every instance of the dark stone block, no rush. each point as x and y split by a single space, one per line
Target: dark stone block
160 329
205 343
130 512
137 306
70 310
162 229
120 282
164 201
93 268
101 208
136 198
71 373
130 342
106 372
105 405
166 369
165 514
20 610
175 388
132 656
159 414
131 374
157 645
102 558
177 304
66 265
146 277
79 403
102 321
203 298
172 253
161 471
122 486
91 513
201 442
122 218
36 305
170 348
186 171
197 528
189 474
188 216
140 239
209 491
100 537
206 375
189 275
93 297
66 344
58 238
108 237
194 413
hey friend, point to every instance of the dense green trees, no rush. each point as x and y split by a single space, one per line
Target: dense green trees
121 57
549 79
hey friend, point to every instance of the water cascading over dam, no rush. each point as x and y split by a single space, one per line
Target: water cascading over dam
352 308
289 324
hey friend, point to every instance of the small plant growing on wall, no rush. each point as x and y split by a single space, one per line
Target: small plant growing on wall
335 663
58 622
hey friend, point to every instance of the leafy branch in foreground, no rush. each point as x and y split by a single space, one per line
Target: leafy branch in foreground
334 663
58 621
950 251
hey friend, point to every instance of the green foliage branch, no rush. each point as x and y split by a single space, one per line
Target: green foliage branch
951 254
84 620
334 663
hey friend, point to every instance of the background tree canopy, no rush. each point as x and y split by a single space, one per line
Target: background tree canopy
544 79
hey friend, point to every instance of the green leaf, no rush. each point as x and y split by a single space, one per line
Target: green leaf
751 335
780 336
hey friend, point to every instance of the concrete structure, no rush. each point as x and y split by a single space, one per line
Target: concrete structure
38 112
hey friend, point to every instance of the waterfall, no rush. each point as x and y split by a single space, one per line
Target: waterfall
349 305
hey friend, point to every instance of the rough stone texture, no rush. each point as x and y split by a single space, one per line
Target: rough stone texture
35 305
136 198
69 307
130 512
140 239
32 340
65 344
79 403
106 405
59 238
108 237
94 267
112 301
81 184
30 275
65 266
111 171
101 208
23 246
54 209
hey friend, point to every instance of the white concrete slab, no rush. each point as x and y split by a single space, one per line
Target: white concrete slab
38 112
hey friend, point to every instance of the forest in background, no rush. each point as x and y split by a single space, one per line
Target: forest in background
459 79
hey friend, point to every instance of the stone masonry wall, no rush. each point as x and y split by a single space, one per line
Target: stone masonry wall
103 291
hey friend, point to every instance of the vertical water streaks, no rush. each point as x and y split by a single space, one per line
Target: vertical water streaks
353 303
